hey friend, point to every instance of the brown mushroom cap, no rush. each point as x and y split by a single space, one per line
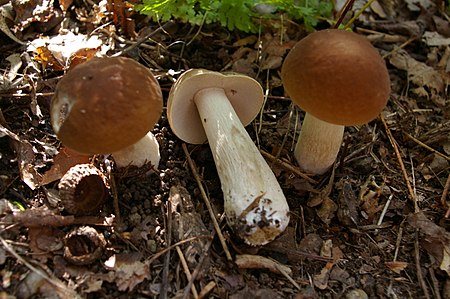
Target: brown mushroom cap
337 76
244 93
105 104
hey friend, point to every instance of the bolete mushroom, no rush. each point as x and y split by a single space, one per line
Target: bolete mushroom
206 105
109 105
339 79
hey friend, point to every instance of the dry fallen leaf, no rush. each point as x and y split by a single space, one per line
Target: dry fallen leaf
397 266
127 270
434 39
62 162
25 157
435 240
32 11
421 75
44 240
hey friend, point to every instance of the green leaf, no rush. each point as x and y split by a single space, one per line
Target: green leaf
233 14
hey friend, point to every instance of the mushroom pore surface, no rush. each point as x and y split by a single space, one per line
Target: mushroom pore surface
337 76
105 104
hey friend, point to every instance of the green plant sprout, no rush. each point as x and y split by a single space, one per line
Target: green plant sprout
235 14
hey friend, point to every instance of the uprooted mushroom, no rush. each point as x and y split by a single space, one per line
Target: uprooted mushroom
205 105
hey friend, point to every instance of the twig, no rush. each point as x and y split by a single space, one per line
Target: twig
358 13
112 184
445 192
206 289
398 242
186 270
426 146
347 6
207 202
435 283
288 166
52 280
162 252
400 162
144 38
418 268
410 40
197 269
165 273
385 208
288 277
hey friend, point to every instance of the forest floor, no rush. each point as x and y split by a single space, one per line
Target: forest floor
376 226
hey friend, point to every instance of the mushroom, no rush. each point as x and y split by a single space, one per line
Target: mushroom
109 105
339 79
206 105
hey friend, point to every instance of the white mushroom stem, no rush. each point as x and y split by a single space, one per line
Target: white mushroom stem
146 150
255 205
318 145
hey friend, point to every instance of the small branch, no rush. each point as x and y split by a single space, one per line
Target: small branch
435 283
64 290
427 147
385 208
398 242
112 184
162 252
197 270
445 192
288 166
207 202
165 272
347 6
400 162
358 13
422 282
186 270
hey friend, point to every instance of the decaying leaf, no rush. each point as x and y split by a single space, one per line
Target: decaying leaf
25 156
59 51
327 210
321 279
421 75
44 240
187 223
127 271
397 266
348 204
435 240
33 11
62 162
434 39
6 13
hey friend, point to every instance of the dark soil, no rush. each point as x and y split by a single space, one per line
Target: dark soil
376 226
